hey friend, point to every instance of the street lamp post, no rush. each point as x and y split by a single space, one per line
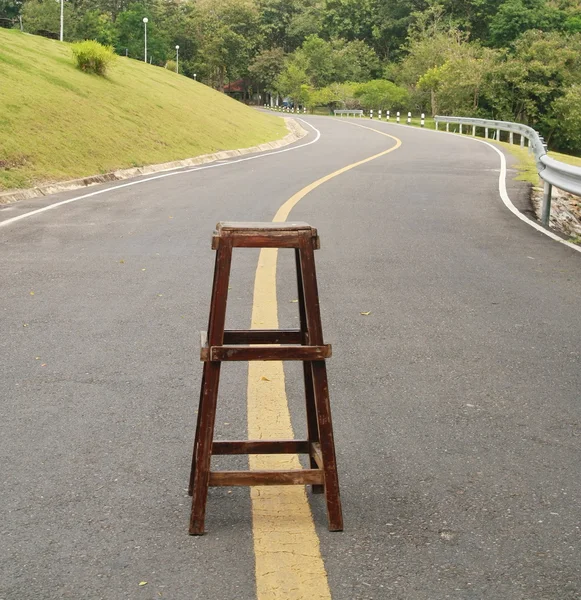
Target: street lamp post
62 18
145 20
177 59
194 77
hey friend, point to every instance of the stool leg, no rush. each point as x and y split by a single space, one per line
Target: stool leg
312 428
321 388
200 474
203 448
193 468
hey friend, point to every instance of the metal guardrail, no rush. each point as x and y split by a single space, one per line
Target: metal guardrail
348 112
552 172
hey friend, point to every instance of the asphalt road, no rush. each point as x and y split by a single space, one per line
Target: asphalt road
456 401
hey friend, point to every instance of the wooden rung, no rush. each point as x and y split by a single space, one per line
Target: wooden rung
293 477
223 353
262 336
261 447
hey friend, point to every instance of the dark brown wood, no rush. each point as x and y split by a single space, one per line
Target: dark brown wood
262 336
200 474
222 345
294 477
320 385
223 353
312 427
261 447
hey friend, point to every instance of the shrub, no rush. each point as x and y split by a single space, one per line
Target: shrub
93 57
170 65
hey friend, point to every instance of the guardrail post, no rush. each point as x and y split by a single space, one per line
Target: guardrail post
447 126
422 120
486 133
409 118
498 135
511 138
397 116
460 129
546 208
522 140
474 130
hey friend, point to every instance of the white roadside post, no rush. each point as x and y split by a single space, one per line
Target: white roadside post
460 128
379 114
304 110
145 20
522 141
409 118
397 116
423 120
486 133
448 127
474 130
511 138
177 59
387 116
62 20
371 113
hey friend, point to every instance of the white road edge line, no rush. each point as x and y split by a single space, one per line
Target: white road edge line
501 186
177 171
513 209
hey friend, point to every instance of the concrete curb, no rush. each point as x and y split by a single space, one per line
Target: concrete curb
296 133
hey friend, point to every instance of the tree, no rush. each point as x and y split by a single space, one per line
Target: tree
293 82
525 81
566 120
380 93
266 67
514 17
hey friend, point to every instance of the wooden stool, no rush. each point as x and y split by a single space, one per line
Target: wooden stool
305 344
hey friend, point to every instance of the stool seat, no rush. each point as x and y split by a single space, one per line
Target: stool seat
248 234
305 344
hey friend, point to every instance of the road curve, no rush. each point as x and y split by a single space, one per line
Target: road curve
455 401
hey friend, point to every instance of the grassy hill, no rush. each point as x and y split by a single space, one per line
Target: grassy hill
58 123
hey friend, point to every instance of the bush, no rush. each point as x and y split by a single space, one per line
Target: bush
93 57
170 65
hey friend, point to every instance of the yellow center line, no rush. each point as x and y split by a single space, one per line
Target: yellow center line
289 565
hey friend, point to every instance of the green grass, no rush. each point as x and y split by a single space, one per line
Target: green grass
566 158
58 123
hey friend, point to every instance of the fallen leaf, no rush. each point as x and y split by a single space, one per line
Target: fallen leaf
32 293
24 324
226 423
160 295
143 269
294 300
263 378
43 365
142 583
37 357
365 313
122 261
171 217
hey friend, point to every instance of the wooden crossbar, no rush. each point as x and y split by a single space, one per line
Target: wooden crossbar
224 353
261 447
292 477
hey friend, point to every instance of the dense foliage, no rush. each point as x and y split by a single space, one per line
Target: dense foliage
511 59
